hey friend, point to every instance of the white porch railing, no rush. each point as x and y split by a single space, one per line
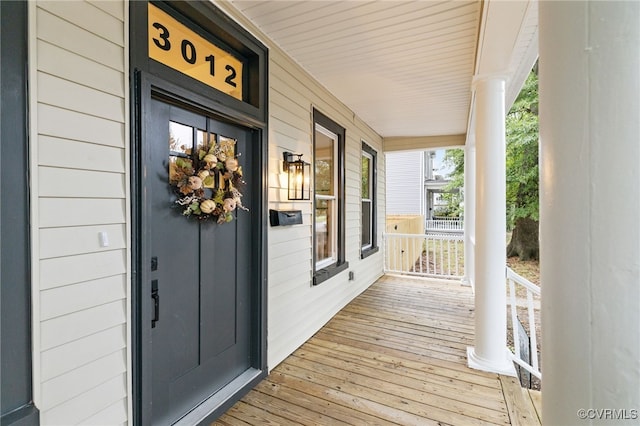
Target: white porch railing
426 255
517 302
444 225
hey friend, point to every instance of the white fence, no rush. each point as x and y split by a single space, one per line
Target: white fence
445 225
426 255
530 305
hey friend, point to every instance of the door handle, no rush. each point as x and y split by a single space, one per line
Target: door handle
156 303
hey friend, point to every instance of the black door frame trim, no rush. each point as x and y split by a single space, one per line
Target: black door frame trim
151 78
17 407
210 22
146 88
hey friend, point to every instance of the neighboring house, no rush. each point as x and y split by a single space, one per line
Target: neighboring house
412 186
434 186
117 309
405 178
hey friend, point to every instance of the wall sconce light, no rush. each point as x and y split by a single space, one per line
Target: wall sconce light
299 173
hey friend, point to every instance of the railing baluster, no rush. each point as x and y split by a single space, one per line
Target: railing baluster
393 253
434 257
444 225
432 254
428 256
405 255
514 318
513 278
441 258
532 330
422 245
449 257
455 245
397 254
400 253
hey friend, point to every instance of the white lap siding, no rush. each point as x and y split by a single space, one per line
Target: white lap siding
79 177
79 142
296 309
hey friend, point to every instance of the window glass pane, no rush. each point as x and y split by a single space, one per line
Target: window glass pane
366 223
227 148
325 163
179 168
324 229
366 167
203 139
180 138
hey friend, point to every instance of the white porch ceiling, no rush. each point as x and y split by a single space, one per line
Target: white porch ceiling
404 67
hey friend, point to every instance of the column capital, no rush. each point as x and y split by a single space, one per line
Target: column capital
470 142
484 78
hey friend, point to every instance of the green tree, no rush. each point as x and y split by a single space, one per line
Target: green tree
522 171
454 158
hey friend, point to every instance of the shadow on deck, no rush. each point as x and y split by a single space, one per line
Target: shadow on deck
394 355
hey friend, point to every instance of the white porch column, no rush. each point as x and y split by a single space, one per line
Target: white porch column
590 211
469 210
490 352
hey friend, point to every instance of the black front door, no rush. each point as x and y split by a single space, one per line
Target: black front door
199 272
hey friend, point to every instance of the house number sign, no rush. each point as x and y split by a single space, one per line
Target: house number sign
176 46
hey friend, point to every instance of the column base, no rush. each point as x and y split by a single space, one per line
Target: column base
466 281
505 368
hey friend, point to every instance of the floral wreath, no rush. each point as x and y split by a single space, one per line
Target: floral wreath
208 192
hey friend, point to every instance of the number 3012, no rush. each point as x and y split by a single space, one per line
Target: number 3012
189 54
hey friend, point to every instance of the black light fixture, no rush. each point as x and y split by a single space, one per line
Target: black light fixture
299 173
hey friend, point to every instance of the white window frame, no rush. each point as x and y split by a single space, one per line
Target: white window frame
333 234
372 247
368 200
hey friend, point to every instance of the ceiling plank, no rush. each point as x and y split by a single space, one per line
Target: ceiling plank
422 143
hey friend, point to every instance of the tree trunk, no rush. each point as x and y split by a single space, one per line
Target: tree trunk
524 240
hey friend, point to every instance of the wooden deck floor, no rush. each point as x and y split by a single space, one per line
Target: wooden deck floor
394 355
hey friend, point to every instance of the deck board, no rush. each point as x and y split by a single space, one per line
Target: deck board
536 399
394 355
